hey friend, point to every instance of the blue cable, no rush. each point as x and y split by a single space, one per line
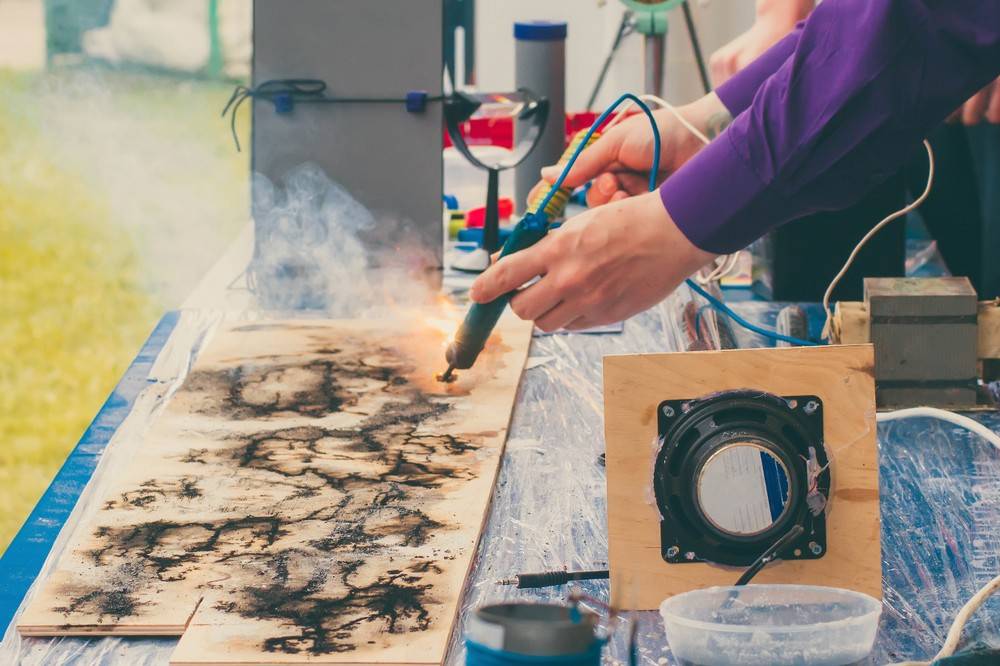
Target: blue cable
722 307
586 139
713 301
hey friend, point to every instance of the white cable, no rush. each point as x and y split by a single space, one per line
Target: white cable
724 265
827 326
931 412
988 590
955 633
663 104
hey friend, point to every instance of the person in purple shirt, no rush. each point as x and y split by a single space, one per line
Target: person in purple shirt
824 115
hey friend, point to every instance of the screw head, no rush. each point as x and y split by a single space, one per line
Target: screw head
811 407
815 548
689 555
673 551
668 411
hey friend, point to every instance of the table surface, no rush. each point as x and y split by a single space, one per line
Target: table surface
940 500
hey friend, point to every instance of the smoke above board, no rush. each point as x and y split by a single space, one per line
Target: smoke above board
318 249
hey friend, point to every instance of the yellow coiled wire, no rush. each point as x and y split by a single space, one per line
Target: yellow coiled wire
557 205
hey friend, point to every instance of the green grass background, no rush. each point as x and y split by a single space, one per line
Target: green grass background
117 191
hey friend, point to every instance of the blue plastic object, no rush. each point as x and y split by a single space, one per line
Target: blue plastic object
284 103
416 101
450 201
540 31
480 655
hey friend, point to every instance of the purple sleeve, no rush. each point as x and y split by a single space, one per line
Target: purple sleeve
737 93
867 80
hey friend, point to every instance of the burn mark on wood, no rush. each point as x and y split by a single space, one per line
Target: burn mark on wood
270 388
116 599
155 491
319 510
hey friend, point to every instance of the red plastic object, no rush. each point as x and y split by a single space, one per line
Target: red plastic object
475 218
500 131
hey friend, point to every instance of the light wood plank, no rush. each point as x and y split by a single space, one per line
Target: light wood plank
309 495
634 385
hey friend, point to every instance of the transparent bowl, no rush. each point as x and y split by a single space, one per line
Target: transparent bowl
771 625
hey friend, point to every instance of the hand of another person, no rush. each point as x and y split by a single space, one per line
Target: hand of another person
618 163
984 105
775 19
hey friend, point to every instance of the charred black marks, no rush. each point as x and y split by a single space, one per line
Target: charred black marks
313 513
116 599
325 383
153 492
326 613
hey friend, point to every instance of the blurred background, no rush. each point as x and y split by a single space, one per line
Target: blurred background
119 188
120 185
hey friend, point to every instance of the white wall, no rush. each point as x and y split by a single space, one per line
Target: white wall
592 28
22 34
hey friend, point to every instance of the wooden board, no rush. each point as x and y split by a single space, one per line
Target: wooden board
989 329
309 495
851 326
842 376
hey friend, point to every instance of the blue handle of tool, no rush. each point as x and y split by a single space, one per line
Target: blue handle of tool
482 317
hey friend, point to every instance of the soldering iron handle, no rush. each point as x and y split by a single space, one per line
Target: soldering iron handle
482 317
557 205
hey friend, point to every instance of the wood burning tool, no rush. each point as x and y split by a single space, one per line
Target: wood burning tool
548 204
482 317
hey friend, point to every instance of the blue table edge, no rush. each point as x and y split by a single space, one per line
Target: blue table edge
26 554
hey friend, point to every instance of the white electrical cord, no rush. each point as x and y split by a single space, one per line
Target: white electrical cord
934 413
951 641
828 324
988 590
724 265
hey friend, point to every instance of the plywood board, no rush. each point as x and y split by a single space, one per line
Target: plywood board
989 329
634 385
851 326
309 495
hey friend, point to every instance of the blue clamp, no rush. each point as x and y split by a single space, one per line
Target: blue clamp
416 101
283 103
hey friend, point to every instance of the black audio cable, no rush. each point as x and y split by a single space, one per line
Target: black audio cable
551 578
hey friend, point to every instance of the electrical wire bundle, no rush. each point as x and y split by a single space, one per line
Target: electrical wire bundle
284 94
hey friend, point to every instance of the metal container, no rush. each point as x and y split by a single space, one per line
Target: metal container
536 630
540 66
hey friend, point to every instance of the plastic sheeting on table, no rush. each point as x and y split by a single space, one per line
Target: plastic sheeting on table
940 502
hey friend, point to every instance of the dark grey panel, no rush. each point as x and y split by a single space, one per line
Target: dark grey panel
389 159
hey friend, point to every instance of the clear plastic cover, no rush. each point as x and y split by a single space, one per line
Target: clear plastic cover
940 498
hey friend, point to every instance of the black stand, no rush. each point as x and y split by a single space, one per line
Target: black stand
491 225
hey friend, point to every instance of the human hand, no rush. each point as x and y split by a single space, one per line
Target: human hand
775 19
620 160
984 105
600 267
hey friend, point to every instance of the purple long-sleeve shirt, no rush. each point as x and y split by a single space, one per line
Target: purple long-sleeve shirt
830 111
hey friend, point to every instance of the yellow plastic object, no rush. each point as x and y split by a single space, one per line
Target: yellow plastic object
557 205
456 222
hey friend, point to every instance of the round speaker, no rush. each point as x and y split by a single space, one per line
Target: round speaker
735 472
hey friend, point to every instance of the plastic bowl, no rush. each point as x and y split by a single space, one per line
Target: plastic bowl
771 625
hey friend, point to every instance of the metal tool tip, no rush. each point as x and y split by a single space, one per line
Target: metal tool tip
447 376
507 581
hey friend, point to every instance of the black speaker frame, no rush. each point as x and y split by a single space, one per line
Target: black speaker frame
692 430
